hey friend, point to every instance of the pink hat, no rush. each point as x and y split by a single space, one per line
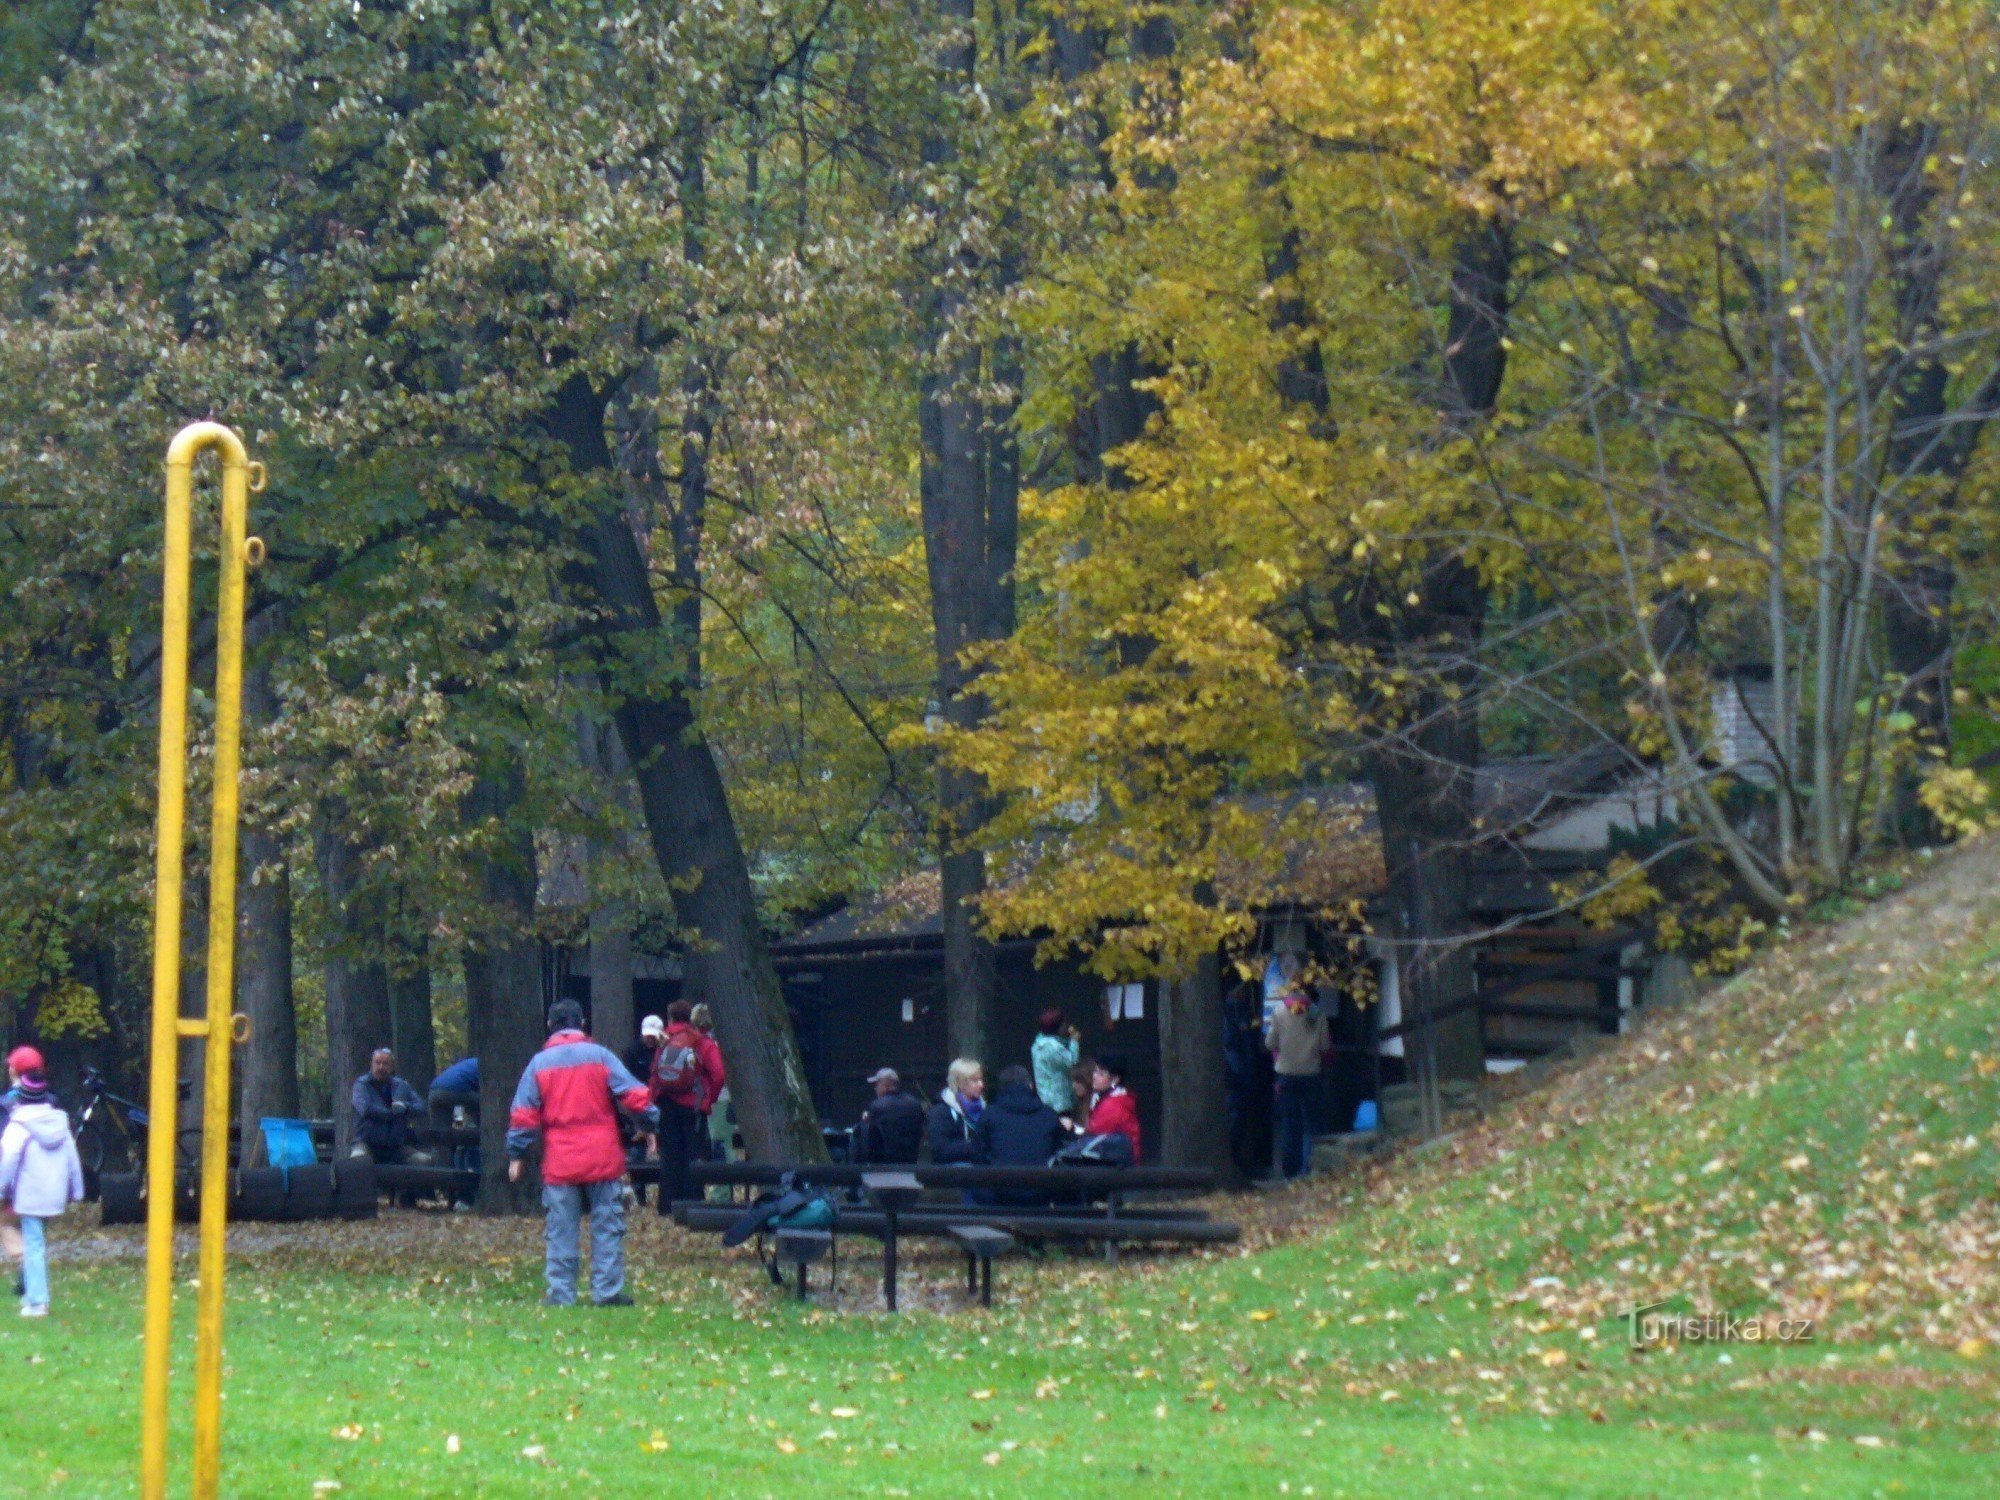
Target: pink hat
25 1060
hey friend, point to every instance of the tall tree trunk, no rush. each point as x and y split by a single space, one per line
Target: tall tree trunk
613 1016
613 1019
357 983
270 1077
410 1024
970 499
692 831
1425 764
1194 1082
505 1018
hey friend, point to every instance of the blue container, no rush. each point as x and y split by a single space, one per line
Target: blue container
288 1143
1367 1117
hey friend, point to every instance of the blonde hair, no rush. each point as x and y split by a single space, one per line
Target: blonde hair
961 1072
701 1017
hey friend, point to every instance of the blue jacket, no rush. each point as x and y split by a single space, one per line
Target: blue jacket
462 1077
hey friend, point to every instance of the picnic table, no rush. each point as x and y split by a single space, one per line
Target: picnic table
1086 1203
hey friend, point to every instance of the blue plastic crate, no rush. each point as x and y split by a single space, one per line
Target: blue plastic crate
288 1143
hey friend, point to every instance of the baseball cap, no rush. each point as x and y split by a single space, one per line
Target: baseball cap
652 1026
25 1060
881 1075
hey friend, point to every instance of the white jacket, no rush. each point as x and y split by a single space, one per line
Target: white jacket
40 1171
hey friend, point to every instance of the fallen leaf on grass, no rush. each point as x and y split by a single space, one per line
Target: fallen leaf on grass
786 1445
451 1443
349 1432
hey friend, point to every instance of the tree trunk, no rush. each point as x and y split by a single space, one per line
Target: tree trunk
692 831
1424 774
357 983
1194 1082
613 1018
270 1077
410 1026
505 1020
970 497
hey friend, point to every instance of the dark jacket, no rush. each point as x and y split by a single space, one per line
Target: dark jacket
384 1112
891 1130
948 1132
1017 1129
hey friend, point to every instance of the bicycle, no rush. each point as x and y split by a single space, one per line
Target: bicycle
112 1131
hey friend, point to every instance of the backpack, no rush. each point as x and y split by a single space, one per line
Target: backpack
677 1069
1112 1150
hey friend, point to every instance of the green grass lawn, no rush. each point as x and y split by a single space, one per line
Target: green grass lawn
1818 1140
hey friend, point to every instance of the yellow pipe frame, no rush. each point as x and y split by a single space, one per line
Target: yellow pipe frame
217 1026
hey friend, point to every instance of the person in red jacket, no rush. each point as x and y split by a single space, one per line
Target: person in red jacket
1112 1110
687 1079
568 1098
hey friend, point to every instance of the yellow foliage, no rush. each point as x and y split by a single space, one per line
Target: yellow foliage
71 1011
1958 798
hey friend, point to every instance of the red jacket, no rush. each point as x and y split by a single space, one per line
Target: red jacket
1115 1114
569 1095
698 1090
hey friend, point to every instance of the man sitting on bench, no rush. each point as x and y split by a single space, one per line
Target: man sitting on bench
1017 1129
384 1108
892 1127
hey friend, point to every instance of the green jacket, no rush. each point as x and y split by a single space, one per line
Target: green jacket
1054 1058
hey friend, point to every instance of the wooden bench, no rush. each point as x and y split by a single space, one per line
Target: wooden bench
801 1247
981 1243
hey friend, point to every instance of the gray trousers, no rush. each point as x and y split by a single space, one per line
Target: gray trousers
566 1206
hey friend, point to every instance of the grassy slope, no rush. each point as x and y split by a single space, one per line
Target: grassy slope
1818 1139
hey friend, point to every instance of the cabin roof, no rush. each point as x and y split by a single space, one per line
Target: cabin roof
1329 851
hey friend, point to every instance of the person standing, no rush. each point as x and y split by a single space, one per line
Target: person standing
1053 1056
40 1176
1299 1043
569 1098
687 1077
721 1113
639 1056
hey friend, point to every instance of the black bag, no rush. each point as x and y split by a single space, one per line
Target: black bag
1110 1150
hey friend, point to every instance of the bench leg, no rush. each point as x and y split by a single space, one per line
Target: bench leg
802 1281
986 1282
971 1273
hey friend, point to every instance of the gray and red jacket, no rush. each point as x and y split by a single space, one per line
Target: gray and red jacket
569 1095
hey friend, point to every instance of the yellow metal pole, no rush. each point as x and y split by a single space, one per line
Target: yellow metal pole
221 972
218 1025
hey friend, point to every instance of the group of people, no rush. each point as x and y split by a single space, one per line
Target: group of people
1037 1110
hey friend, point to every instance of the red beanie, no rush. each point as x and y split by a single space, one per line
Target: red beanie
25 1060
